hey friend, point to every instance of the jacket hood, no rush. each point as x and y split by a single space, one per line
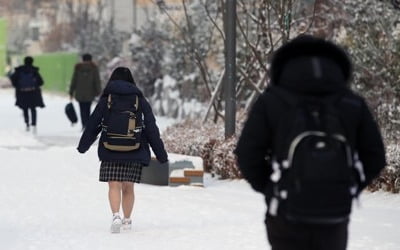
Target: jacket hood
310 65
120 87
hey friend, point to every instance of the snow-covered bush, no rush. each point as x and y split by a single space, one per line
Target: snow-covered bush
389 180
207 140
192 137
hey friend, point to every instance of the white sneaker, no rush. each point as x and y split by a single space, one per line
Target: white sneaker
126 224
116 224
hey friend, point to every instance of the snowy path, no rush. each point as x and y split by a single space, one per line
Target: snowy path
59 204
50 199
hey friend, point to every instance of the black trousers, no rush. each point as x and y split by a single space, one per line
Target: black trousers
85 112
33 116
284 235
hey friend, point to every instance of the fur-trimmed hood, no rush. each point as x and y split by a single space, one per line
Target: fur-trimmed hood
310 65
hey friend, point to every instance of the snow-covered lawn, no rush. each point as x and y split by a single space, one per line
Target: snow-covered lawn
50 199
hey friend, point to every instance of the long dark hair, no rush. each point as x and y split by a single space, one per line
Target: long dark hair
123 74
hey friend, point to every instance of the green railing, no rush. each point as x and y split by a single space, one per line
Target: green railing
3 46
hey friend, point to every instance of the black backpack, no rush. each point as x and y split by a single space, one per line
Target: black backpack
314 174
122 123
27 79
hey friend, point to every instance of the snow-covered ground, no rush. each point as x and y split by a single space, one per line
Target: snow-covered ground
50 199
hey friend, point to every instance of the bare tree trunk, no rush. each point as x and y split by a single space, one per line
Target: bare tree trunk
214 95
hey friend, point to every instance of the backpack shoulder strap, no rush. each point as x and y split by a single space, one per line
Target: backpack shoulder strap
137 102
109 101
106 114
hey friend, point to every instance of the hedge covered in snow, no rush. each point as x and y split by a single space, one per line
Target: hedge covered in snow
207 140
389 180
193 137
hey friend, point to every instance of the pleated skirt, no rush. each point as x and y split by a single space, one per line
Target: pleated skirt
120 171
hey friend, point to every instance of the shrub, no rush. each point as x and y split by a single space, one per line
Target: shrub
192 137
389 179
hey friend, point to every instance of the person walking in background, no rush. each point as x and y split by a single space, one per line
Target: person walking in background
127 125
27 82
310 145
85 86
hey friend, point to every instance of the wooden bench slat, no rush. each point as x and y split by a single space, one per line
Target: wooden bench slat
188 173
179 180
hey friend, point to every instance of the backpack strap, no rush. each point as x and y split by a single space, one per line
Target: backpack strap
106 114
109 101
132 126
137 103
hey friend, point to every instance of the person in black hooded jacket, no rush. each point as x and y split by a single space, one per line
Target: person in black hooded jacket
306 66
27 82
122 169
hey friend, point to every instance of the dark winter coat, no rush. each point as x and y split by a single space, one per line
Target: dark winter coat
85 83
28 98
307 66
151 132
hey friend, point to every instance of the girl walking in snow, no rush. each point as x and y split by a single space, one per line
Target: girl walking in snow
122 155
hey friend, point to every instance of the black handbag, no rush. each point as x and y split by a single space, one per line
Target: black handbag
70 112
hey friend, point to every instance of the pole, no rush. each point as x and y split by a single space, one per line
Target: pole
134 14
230 66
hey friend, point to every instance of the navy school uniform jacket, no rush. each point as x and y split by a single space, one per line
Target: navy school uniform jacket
150 134
28 99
